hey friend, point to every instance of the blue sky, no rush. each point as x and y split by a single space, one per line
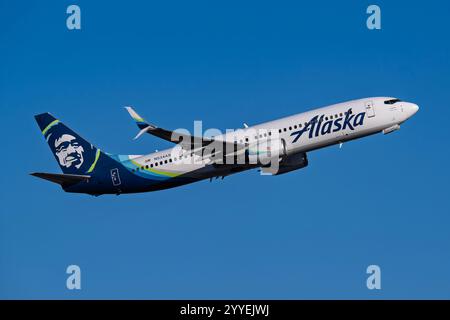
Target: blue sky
307 234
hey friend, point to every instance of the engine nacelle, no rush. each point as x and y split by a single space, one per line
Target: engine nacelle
265 152
287 164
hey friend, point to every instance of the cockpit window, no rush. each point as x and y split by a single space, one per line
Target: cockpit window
392 101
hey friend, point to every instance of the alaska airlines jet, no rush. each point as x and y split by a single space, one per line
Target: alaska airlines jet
275 147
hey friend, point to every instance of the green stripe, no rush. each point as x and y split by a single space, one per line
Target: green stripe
97 155
51 124
163 173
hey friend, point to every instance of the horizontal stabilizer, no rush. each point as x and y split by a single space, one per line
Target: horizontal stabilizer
62 179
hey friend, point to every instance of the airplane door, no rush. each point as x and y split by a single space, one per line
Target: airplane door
370 111
115 177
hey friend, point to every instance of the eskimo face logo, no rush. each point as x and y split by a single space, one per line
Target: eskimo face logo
69 151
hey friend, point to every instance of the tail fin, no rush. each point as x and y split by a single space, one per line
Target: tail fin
73 154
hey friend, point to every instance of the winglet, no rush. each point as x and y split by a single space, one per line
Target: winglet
141 123
140 133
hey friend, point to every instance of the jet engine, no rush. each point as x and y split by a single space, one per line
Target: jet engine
287 164
265 152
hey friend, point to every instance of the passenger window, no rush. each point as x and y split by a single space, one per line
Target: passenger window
284 129
290 128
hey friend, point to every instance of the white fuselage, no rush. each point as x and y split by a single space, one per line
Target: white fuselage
303 132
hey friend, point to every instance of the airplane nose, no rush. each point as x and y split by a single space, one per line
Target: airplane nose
411 109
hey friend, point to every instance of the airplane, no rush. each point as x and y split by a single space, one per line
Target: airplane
274 148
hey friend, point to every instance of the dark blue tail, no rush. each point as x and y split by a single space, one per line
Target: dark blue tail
73 154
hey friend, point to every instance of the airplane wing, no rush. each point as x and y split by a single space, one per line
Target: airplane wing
186 141
164 134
